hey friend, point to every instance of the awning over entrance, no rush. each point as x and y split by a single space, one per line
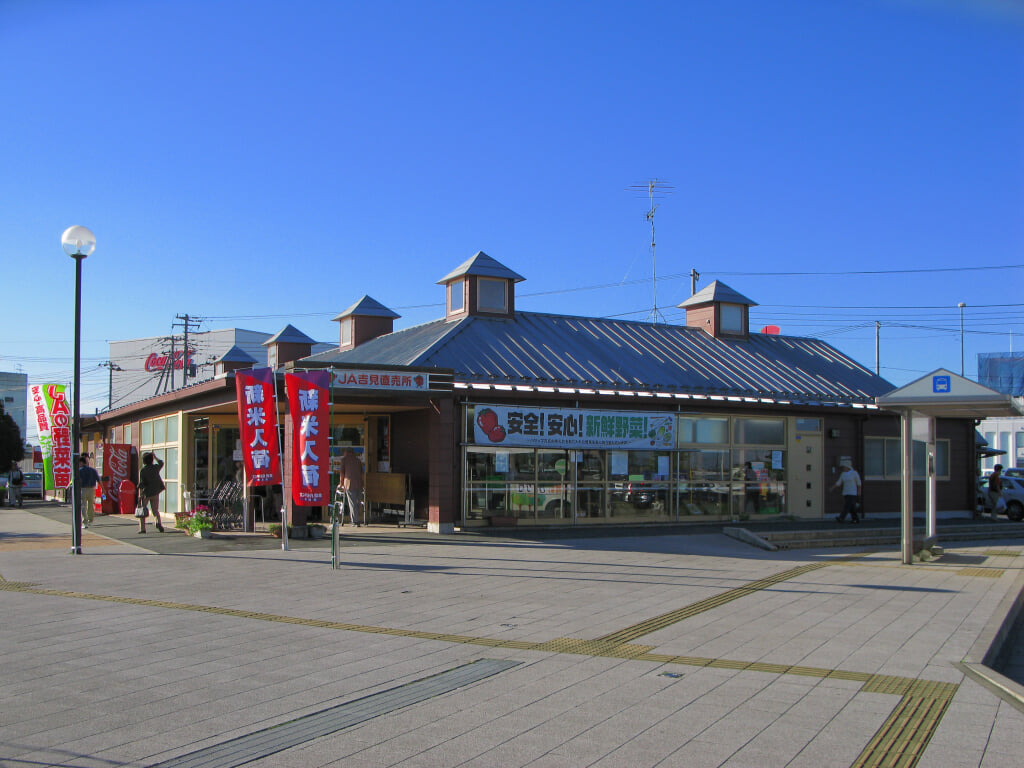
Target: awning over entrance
939 394
948 395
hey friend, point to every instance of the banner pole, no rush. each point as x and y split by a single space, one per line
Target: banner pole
280 463
335 536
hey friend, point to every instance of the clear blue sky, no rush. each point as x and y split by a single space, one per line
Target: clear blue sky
257 163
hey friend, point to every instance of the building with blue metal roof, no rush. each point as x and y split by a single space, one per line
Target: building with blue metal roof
491 416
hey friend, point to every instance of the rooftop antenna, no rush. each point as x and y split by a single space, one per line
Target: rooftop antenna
656 189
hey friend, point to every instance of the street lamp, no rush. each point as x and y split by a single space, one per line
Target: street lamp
961 305
78 243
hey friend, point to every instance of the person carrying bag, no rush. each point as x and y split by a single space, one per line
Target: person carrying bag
14 482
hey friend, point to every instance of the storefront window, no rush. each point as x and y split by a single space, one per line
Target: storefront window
883 459
162 443
703 429
758 482
702 488
759 431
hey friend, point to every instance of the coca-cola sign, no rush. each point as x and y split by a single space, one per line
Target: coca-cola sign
157 362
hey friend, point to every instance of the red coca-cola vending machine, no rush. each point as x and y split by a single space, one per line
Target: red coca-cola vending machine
117 466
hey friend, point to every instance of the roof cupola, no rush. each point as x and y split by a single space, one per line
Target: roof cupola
480 286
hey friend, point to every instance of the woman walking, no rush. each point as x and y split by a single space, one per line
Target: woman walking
151 485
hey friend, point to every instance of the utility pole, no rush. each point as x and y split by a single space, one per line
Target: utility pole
111 367
961 305
878 369
186 321
694 277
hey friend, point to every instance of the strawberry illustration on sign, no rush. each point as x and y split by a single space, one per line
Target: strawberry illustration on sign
497 434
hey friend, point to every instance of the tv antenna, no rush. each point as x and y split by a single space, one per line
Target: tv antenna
656 189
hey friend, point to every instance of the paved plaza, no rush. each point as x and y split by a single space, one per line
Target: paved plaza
673 650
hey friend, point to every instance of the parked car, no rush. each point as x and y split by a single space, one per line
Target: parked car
1013 492
1014 472
32 486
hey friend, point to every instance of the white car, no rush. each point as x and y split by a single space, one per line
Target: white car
1013 493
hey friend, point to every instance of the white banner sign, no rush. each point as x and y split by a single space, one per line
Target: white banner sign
386 380
572 428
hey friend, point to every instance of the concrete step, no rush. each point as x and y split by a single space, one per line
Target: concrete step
865 535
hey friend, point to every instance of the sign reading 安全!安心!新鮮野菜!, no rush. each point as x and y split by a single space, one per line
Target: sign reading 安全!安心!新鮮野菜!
571 428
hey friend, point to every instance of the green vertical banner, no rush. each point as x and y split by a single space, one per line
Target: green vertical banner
53 421
42 412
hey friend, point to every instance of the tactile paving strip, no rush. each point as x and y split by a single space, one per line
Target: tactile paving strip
655 623
277 738
985 573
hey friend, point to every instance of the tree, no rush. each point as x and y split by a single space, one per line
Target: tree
11 446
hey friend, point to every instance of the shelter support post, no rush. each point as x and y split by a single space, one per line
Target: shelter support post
907 485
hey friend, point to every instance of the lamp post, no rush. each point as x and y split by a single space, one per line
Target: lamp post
961 305
78 243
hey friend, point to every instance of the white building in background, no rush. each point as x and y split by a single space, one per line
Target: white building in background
1003 372
14 396
143 368
1004 435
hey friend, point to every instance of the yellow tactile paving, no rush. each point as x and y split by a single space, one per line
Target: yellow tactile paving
985 573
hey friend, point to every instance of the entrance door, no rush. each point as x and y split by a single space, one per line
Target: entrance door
806 477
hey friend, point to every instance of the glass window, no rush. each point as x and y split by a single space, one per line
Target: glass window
159 430
128 433
147 433
883 458
703 483
456 295
346 331
808 425
893 458
693 429
759 431
172 429
170 470
942 458
874 457
491 295
732 318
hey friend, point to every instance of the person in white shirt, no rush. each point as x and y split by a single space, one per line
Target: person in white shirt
850 483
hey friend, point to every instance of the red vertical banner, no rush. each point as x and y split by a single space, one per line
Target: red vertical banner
309 399
257 420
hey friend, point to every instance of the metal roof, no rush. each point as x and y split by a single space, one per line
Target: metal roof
289 335
367 307
236 355
717 291
601 354
482 264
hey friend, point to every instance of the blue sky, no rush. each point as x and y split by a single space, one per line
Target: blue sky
257 163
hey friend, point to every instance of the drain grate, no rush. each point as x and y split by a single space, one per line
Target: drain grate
277 738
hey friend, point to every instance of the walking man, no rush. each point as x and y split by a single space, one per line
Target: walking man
88 479
850 483
350 483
